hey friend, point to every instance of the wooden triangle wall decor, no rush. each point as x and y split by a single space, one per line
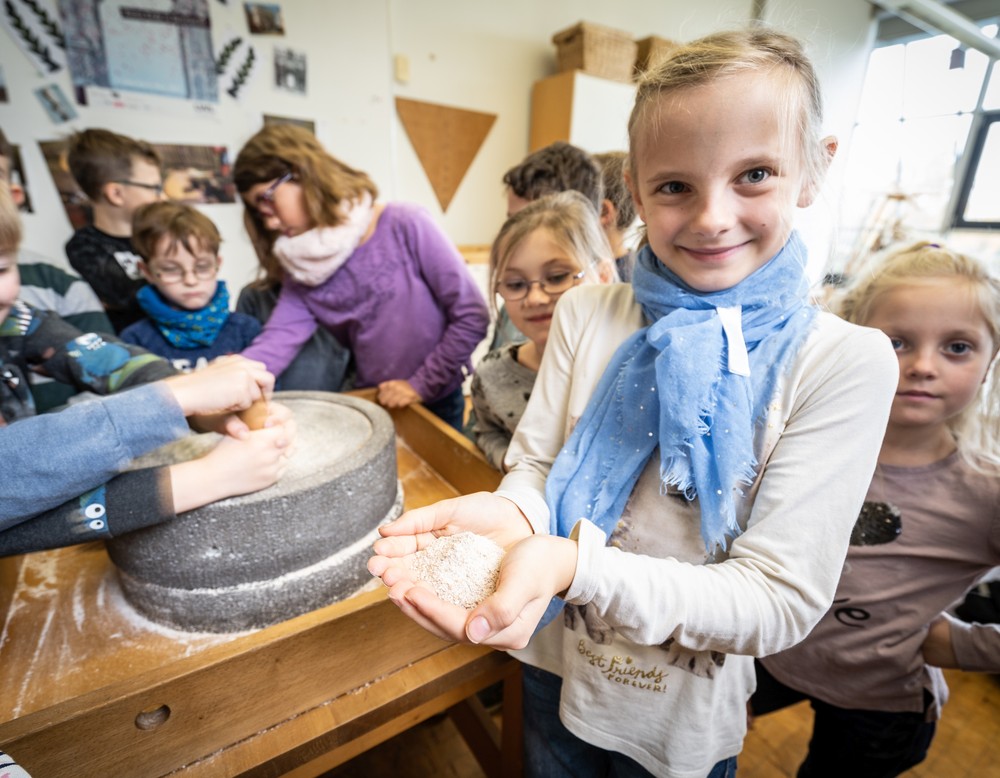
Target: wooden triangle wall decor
446 141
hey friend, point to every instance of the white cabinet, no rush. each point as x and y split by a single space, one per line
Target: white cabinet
585 110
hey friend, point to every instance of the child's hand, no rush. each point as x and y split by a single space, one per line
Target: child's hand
937 648
236 466
484 513
397 394
212 394
533 571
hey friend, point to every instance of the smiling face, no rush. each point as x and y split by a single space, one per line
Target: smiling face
281 206
944 347
186 279
538 257
717 176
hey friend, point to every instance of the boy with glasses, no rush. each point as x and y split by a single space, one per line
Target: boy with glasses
119 174
187 306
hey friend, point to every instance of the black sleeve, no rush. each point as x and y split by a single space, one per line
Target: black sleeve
109 280
256 302
100 363
130 501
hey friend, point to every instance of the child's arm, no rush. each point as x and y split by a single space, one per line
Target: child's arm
143 498
443 270
99 363
130 501
958 644
489 434
51 458
286 331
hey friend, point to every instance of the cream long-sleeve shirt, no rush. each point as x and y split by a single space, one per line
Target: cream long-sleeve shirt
656 643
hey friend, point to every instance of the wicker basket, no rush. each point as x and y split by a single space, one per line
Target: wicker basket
600 51
651 52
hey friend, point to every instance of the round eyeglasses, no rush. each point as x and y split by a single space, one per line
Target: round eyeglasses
555 283
203 271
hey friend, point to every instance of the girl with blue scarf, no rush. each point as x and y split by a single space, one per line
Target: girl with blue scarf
189 321
696 448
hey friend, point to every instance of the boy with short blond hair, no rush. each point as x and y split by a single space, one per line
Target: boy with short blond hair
119 174
187 307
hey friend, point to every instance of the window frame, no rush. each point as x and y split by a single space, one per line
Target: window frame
958 221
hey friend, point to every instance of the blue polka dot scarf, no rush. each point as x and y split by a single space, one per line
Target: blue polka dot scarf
186 329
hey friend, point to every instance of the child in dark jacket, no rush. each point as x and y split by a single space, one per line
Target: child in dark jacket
189 321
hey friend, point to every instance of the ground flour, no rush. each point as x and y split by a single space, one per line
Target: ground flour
461 569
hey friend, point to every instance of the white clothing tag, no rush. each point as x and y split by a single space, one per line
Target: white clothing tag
732 325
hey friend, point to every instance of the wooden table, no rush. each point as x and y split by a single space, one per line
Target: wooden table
92 688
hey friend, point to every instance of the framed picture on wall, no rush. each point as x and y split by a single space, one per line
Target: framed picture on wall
264 18
191 174
290 70
307 124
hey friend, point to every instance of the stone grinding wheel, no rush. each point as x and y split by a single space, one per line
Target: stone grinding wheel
250 561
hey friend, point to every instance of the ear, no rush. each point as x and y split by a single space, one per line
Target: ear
811 188
146 272
17 194
113 193
640 209
218 261
608 213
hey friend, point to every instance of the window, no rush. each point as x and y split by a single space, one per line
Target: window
978 204
927 132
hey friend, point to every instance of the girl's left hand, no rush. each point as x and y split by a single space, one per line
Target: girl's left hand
397 394
937 648
532 573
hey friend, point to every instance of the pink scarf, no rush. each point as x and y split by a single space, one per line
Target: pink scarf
312 257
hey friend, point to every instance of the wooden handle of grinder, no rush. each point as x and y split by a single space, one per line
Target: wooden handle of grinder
255 416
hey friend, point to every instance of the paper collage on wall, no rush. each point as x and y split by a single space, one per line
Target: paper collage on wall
34 26
236 65
153 47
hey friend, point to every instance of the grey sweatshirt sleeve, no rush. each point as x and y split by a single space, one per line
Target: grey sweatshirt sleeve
52 458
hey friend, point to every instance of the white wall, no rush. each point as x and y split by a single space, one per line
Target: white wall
474 55
839 37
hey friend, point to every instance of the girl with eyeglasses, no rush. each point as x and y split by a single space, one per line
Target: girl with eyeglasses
543 250
382 278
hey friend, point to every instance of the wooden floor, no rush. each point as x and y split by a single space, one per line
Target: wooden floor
967 744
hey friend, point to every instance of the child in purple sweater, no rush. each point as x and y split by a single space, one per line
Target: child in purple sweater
383 279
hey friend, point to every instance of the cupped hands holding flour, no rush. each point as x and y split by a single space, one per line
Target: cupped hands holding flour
533 570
